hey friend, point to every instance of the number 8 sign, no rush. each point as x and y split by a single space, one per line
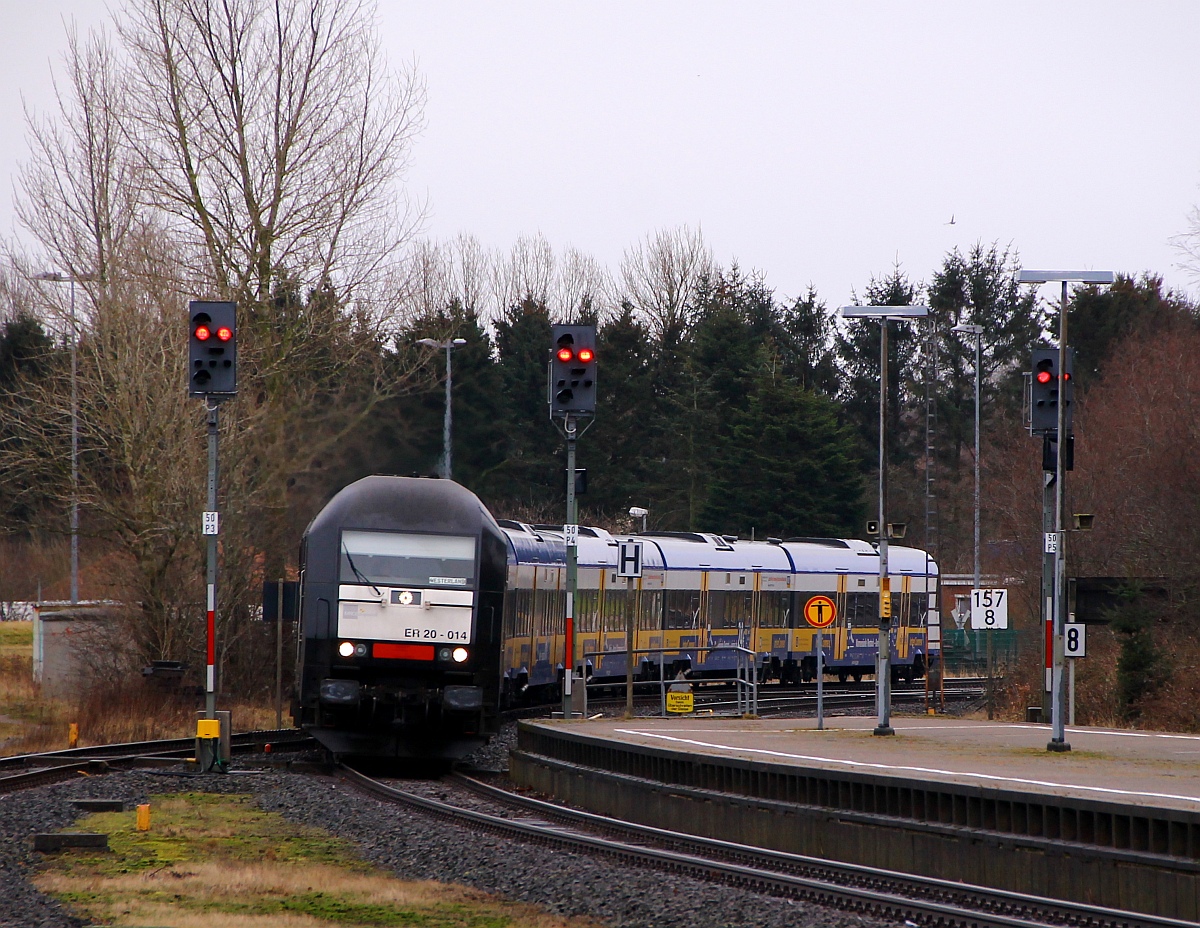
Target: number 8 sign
1074 639
989 609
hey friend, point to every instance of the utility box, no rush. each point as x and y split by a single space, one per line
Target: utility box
204 743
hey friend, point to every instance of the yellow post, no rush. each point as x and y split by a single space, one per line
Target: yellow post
143 817
73 735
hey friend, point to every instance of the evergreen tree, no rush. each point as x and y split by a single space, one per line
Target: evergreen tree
805 333
858 356
531 468
618 447
979 288
788 467
27 354
1100 318
733 316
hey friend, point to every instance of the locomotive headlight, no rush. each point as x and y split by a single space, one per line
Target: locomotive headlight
460 655
346 649
360 650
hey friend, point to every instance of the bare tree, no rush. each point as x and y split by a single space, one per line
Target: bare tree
247 149
583 286
660 277
78 193
273 133
527 273
472 269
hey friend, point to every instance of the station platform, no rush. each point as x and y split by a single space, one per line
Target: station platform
1136 768
1114 822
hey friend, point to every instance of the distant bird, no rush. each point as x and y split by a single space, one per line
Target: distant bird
951 222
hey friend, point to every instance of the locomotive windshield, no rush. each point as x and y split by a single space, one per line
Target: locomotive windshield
446 561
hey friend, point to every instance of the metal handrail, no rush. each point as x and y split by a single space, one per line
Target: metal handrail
744 677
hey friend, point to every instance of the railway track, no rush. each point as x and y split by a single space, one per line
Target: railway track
904 897
27 770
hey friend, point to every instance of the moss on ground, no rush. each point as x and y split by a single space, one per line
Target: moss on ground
211 859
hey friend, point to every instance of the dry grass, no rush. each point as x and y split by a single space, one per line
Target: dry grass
218 860
105 713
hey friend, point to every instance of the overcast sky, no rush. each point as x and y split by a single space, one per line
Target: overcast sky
818 143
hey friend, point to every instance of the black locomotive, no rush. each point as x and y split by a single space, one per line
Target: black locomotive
402 593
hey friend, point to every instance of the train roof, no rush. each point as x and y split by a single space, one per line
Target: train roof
408 504
544 544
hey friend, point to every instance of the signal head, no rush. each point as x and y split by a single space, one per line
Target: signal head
564 355
586 355
212 348
1044 376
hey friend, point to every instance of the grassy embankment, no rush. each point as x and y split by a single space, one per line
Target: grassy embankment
219 860
118 712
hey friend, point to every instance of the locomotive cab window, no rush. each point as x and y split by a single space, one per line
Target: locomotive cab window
438 561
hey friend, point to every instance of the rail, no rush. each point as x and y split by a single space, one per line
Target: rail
743 675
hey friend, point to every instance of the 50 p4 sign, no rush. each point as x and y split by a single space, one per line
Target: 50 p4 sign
989 609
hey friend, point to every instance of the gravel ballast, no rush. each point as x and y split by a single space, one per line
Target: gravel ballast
410 846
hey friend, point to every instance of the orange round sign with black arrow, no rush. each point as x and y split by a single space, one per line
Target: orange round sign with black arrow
820 611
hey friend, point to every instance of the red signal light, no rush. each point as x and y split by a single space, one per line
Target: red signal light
586 355
203 333
1066 375
1044 377
224 333
564 355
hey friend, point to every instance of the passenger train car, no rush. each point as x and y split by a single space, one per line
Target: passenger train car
700 591
422 615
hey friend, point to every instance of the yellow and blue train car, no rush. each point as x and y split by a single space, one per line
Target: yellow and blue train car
699 591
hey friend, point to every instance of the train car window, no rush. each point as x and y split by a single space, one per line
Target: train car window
523 620
393 559
917 610
729 609
587 605
862 610
650 607
773 609
614 609
683 608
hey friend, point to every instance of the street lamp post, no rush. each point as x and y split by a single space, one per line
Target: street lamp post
977 332
1058 603
883 681
56 277
449 345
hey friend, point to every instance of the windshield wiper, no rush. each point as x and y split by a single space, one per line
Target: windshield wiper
358 574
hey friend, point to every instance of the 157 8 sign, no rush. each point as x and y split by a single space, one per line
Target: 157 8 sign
989 609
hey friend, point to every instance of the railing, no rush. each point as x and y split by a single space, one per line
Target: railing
744 676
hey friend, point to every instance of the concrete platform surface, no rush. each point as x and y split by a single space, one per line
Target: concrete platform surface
1155 769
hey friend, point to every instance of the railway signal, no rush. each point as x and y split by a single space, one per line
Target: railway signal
571 393
212 348
1049 389
572 387
212 376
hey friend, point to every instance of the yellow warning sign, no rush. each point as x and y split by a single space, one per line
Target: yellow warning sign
680 702
820 611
